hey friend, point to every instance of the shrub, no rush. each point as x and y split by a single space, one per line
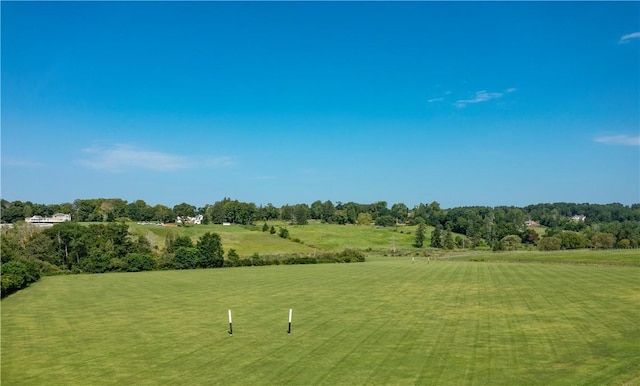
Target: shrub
135 262
549 243
186 258
17 275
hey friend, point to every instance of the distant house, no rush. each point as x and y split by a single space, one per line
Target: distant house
56 218
578 217
197 220
531 223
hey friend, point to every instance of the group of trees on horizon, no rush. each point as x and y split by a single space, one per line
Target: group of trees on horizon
238 212
479 224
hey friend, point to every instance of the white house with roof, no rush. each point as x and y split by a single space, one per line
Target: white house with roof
56 218
190 220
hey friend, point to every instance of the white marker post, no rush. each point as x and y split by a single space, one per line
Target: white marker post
230 324
290 312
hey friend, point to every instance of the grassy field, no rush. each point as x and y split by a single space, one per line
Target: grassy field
323 237
583 256
386 321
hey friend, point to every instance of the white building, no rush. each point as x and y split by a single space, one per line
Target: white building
190 220
58 217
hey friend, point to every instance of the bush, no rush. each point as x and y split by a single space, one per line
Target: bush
186 258
385 221
135 262
549 243
351 255
17 275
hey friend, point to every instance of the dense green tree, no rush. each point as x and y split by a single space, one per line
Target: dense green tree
364 219
385 221
436 236
339 217
186 258
267 213
447 239
400 212
184 210
12 211
316 210
572 240
511 242
233 256
530 236
16 275
182 241
379 209
551 243
603 240
163 214
87 210
300 214
41 247
211 252
420 236
328 210
284 233
136 262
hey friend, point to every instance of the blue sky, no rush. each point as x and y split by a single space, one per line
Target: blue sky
481 103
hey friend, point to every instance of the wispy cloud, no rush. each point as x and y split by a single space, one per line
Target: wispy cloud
122 158
627 38
482 96
432 100
620 140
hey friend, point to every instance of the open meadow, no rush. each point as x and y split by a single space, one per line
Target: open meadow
247 240
385 321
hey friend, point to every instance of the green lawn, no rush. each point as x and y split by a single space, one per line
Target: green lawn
582 256
385 321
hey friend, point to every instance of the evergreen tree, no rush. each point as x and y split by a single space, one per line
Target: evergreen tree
448 243
420 236
436 237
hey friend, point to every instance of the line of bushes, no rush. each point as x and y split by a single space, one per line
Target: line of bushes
346 256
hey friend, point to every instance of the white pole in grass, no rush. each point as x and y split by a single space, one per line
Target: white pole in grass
290 312
230 324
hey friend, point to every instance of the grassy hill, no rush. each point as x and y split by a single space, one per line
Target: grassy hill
385 321
247 240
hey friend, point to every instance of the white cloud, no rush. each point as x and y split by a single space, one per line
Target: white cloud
622 140
120 158
626 38
432 100
481 96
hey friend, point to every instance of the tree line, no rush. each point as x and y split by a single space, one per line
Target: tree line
479 224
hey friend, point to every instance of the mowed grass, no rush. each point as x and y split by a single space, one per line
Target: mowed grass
385 321
582 256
